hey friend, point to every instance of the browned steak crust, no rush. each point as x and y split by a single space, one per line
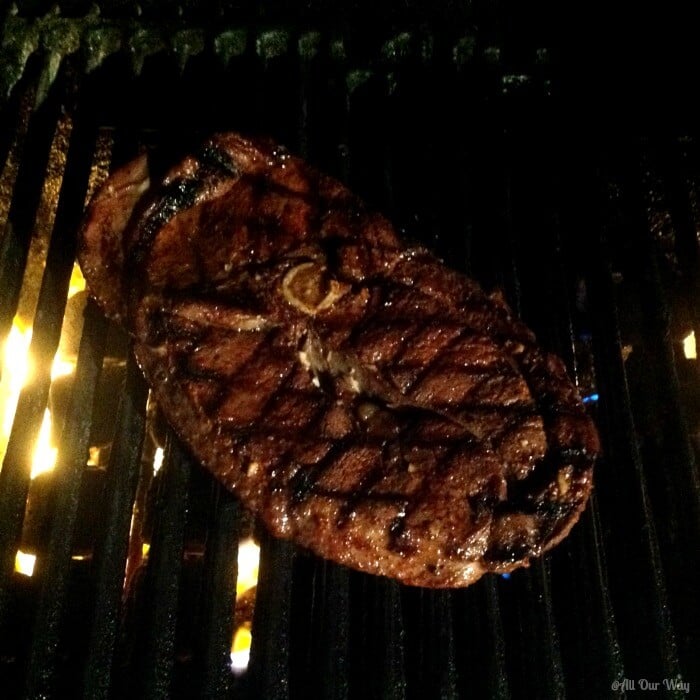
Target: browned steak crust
363 399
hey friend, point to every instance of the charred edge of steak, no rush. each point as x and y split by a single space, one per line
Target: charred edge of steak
170 199
544 507
550 485
215 160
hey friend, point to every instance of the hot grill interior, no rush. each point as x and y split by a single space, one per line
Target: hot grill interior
455 123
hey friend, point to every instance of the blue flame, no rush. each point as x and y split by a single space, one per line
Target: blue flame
591 398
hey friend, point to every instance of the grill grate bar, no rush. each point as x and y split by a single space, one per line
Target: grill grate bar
15 123
542 605
659 344
533 636
333 668
270 652
498 688
111 550
53 564
443 662
634 563
18 229
675 170
219 595
609 646
681 551
674 491
390 676
163 573
480 653
430 645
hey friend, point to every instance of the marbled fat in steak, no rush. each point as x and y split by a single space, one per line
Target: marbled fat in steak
364 400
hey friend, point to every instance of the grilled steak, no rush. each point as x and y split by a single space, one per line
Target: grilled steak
363 399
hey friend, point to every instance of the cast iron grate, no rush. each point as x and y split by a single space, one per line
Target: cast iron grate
593 240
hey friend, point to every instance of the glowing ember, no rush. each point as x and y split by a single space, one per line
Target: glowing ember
689 347
240 650
45 454
248 562
158 460
24 563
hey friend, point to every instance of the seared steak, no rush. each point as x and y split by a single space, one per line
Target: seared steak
363 399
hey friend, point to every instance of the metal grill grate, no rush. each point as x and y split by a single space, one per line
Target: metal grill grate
594 241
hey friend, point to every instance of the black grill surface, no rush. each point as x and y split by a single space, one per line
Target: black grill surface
459 124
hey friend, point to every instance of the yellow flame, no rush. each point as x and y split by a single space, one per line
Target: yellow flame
248 564
24 563
158 460
240 649
242 639
15 372
45 454
61 368
145 549
689 346
93 456
77 281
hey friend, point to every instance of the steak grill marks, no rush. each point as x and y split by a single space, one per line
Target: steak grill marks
360 397
509 417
